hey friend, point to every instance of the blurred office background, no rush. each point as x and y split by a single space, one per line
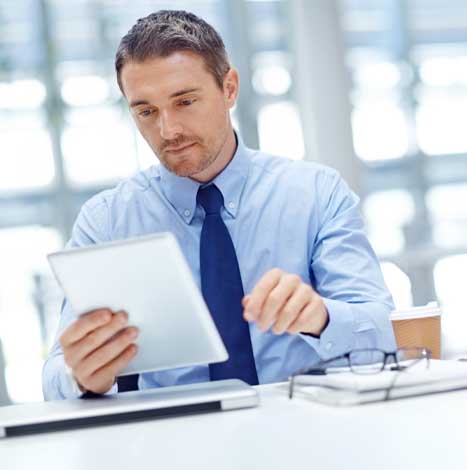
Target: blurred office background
374 88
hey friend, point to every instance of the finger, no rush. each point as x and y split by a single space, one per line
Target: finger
307 319
260 293
290 311
276 299
79 350
84 325
106 353
116 365
245 300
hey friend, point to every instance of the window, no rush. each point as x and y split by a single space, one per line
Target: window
387 213
280 130
408 63
98 145
23 311
450 278
27 160
448 215
398 284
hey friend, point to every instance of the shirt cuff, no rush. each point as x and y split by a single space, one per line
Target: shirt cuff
69 385
338 336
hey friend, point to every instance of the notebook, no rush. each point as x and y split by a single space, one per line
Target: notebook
347 388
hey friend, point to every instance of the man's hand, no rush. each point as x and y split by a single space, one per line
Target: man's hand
285 303
97 347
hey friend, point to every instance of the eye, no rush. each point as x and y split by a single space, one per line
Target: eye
187 102
146 112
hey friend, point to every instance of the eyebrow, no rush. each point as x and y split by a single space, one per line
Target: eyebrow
173 95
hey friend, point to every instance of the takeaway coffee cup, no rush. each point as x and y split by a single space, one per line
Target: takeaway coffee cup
419 326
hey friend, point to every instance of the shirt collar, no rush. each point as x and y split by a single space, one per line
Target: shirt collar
181 191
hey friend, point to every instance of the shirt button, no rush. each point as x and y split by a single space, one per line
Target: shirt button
329 345
231 205
186 213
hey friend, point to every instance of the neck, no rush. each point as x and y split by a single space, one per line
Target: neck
224 157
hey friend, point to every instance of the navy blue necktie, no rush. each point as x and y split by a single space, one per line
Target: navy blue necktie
222 289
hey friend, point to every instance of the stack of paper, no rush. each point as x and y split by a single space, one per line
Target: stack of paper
347 388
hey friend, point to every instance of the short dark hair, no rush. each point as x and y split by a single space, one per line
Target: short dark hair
162 33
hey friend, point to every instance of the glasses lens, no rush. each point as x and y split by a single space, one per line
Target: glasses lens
337 364
410 356
366 361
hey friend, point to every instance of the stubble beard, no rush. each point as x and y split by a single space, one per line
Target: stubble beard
188 167
185 167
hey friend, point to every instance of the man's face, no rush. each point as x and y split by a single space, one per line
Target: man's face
180 110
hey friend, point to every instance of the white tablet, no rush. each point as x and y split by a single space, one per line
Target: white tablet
148 278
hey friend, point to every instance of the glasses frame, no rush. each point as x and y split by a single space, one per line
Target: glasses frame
320 367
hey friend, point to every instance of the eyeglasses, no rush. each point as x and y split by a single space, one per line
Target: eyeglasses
366 362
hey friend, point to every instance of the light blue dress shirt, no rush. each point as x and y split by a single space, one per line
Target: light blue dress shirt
295 215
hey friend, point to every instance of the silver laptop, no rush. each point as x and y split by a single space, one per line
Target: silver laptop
33 418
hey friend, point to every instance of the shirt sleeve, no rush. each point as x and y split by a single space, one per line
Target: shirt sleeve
344 270
90 228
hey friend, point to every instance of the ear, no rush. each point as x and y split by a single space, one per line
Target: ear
231 83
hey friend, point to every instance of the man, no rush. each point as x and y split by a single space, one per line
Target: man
286 233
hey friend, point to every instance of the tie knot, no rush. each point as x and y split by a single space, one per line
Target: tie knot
211 199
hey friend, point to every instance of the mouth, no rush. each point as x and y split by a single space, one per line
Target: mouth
176 150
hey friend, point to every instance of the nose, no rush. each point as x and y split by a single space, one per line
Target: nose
170 127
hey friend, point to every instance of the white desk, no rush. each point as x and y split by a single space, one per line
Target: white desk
416 433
